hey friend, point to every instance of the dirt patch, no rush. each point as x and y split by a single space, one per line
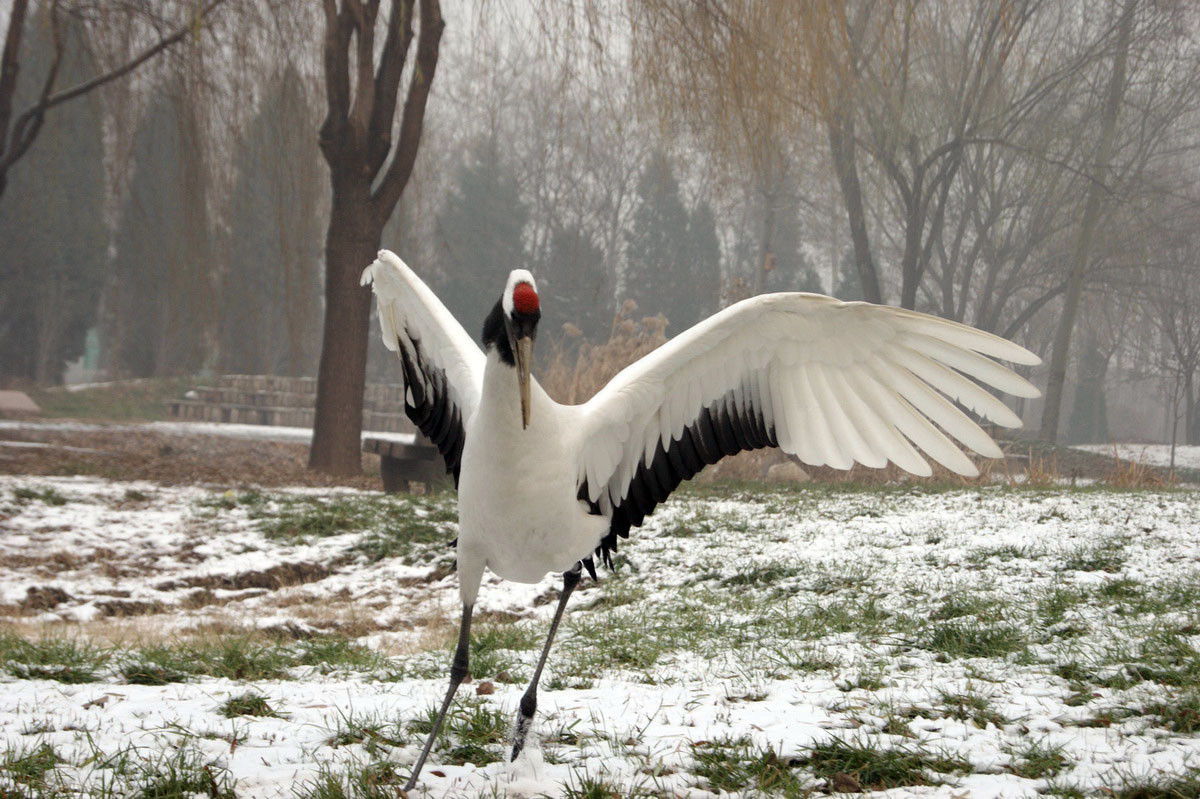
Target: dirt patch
120 453
128 607
50 564
279 576
44 597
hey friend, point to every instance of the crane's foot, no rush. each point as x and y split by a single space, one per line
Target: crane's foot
524 721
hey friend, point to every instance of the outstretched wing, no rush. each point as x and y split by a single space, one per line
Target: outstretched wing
443 366
828 381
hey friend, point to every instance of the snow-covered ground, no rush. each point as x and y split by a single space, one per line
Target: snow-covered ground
976 643
254 432
1186 457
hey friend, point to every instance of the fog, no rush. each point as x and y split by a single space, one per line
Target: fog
1026 167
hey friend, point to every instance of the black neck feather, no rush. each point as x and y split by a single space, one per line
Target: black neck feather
495 334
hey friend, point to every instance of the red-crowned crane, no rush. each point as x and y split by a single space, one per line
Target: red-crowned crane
544 487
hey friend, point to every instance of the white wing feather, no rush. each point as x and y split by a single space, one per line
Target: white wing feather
839 382
411 314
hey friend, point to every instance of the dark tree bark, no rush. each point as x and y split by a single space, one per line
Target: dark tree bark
1092 209
16 137
356 140
845 165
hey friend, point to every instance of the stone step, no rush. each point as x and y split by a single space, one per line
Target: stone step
377 395
389 401
276 416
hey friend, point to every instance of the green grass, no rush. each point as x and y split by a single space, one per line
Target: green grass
374 780
1165 657
181 775
124 400
1108 556
247 704
737 764
1179 713
232 656
374 733
30 768
406 527
969 706
48 495
586 786
63 660
1185 786
964 605
496 648
877 768
962 639
1036 761
158 665
473 732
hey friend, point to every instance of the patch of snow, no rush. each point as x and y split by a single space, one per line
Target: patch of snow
1186 457
254 432
905 553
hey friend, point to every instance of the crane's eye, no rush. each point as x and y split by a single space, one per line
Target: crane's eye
525 299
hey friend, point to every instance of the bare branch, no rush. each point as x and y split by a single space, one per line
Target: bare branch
392 185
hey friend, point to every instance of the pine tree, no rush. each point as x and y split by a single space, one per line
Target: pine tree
577 283
164 300
54 240
270 298
791 270
481 234
672 256
701 283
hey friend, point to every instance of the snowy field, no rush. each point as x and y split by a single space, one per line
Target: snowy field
1186 457
177 642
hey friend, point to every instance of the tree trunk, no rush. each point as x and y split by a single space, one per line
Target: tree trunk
350 245
368 173
841 148
1192 412
1087 227
1089 415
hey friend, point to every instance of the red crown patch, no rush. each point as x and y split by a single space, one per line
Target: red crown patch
525 299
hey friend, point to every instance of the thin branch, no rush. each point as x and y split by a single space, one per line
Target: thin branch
387 195
10 63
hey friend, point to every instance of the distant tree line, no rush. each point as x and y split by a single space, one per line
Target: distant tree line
1026 167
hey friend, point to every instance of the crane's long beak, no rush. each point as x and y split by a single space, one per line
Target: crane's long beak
524 358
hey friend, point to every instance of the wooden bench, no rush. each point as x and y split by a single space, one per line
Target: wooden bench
404 460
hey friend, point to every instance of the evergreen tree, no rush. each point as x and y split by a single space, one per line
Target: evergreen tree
54 240
481 233
270 298
701 287
673 256
791 269
163 299
577 283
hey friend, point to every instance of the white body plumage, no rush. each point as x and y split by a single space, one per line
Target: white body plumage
831 382
518 513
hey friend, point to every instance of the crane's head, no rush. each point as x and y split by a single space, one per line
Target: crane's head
511 328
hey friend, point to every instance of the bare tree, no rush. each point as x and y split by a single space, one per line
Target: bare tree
17 135
369 169
1087 227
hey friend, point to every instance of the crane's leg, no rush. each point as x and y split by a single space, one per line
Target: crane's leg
529 700
458 671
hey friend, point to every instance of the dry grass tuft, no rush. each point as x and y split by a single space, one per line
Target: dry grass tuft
1041 470
577 370
1132 474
